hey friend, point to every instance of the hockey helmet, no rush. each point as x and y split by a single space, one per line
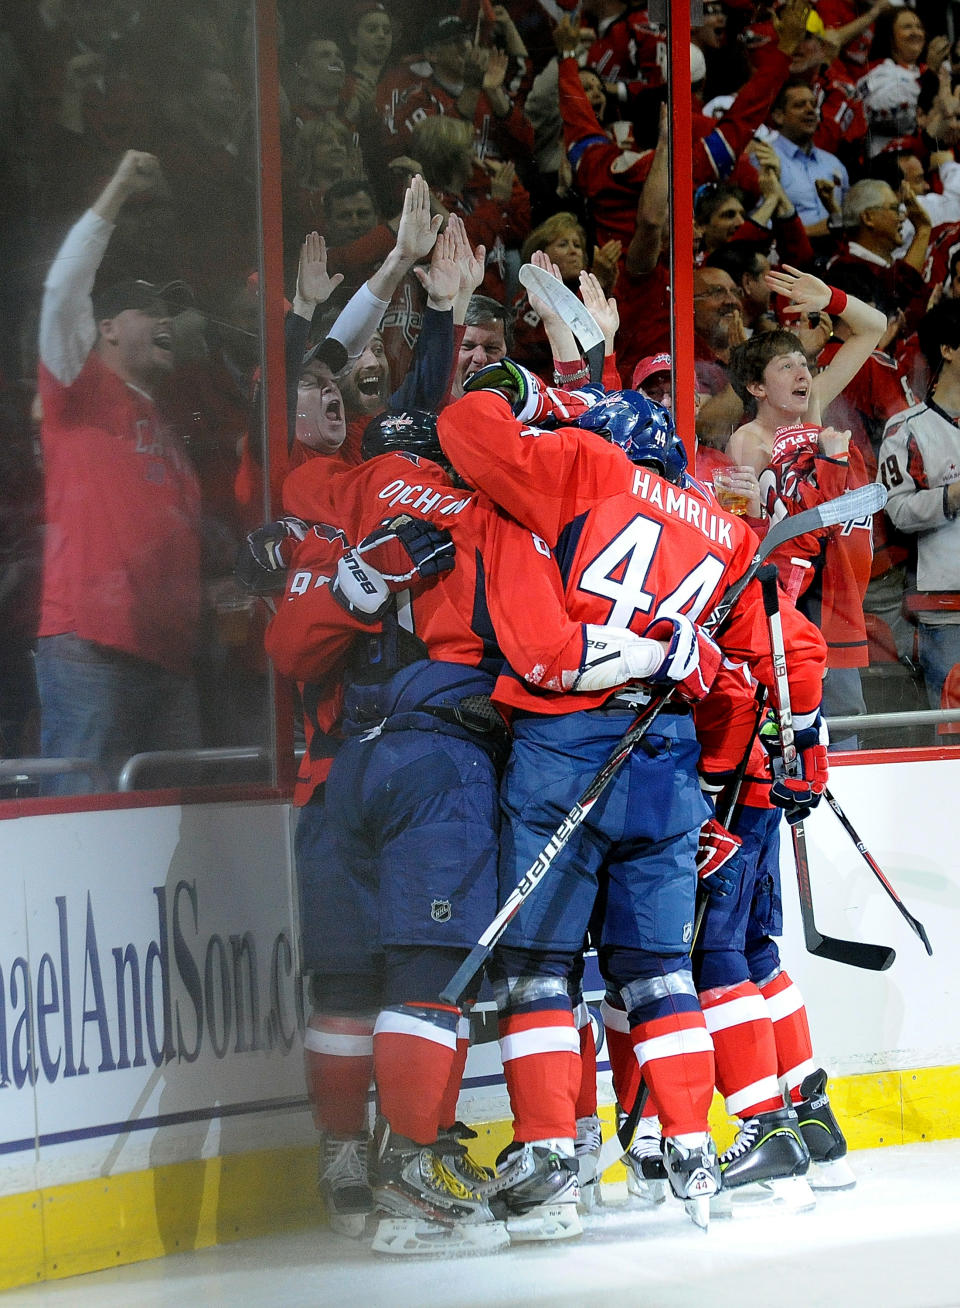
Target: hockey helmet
414 431
643 429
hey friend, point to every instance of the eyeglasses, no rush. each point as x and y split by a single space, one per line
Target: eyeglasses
720 293
899 209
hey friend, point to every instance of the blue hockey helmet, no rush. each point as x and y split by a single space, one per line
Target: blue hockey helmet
412 432
643 429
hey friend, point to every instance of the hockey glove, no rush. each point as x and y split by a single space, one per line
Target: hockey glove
394 556
613 656
530 399
692 660
719 862
799 793
265 555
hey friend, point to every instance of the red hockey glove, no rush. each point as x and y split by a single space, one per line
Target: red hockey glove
719 864
692 660
530 399
265 555
798 794
394 556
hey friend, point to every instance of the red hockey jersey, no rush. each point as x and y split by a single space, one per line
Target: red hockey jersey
629 545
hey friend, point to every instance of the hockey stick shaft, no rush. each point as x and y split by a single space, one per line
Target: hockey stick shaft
915 923
854 504
874 958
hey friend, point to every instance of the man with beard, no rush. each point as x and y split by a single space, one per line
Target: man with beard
333 408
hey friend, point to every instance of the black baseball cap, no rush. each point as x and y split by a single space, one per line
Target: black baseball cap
440 30
329 351
163 301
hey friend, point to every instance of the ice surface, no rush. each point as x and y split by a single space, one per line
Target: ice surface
892 1242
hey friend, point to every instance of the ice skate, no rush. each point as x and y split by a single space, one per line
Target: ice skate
429 1209
646 1175
454 1151
765 1166
587 1150
539 1191
343 1183
693 1171
829 1169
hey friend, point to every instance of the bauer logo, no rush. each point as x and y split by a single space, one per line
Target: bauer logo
440 910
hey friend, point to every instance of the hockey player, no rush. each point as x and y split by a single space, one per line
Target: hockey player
643 552
414 786
754 1011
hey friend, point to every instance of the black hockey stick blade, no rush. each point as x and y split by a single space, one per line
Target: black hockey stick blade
854 953
915 924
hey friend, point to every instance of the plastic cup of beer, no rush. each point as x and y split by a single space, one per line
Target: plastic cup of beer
234 615
731 497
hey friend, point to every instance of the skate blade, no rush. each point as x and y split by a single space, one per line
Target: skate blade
404 1236
788 1194
653 1193
837 1175
547 1222
698 1210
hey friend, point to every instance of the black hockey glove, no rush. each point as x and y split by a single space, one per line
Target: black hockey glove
265 555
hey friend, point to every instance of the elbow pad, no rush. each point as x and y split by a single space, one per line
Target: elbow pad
613 656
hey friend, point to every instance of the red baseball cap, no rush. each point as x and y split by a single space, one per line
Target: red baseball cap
647 367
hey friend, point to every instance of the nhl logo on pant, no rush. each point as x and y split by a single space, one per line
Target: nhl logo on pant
440 910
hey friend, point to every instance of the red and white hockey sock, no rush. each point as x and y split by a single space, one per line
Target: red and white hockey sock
744 1048
623 1063
448 1108
338 1061
791 1031
414 1047
675 1055
587 1098
541 1064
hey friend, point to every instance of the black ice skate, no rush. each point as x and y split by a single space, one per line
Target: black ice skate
646 1174
430 1209
829 1169
539 1190
693 1171
767 1163
343 1183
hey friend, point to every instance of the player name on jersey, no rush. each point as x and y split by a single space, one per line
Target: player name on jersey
688 508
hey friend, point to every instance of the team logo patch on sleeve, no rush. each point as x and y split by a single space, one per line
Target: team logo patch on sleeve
440 910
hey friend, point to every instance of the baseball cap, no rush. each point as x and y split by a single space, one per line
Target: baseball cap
163 301
647 367
440 30
329 351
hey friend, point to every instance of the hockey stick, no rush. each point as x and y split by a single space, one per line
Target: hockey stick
875 958
915 924
618 1144
854 504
